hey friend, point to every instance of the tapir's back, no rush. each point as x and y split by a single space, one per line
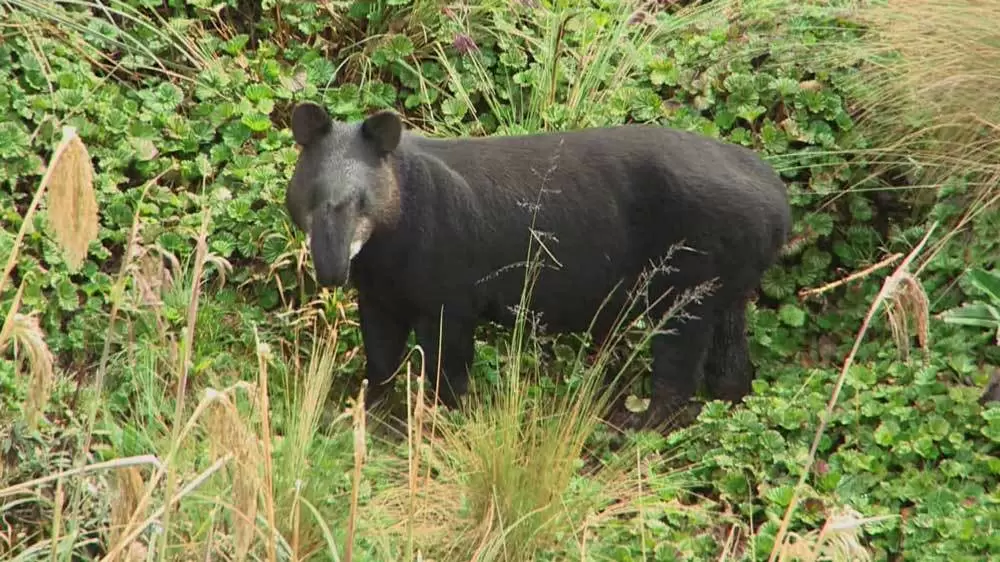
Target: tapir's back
653 179
604 203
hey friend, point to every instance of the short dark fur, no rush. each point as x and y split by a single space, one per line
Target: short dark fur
451 218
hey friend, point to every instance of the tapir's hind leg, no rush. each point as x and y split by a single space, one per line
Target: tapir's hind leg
728 369
678 364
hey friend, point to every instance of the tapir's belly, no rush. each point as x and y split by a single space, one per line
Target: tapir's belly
560 301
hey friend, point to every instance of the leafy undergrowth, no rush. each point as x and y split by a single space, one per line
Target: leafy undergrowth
167 391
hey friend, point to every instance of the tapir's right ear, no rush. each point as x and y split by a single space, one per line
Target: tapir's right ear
309 122
384 129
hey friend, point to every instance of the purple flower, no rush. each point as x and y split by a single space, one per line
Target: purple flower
464 44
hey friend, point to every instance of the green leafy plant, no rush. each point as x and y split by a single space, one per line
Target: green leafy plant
984 313
879 117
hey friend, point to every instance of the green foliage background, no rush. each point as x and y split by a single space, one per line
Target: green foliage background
199 93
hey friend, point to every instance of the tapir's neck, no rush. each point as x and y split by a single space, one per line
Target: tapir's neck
425 179
401 221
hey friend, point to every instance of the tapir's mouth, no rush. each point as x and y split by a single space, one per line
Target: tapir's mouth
332 280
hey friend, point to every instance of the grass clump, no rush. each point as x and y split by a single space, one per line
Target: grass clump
511 475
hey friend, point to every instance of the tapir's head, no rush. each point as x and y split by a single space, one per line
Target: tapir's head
343 188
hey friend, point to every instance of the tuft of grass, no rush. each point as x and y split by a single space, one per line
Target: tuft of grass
929 97
71 23
573 84
297 484
519 110
936 89
509 477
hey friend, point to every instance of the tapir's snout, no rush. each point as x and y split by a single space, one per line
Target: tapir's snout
327 246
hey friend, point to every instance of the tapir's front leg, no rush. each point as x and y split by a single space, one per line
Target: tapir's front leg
384 333
456 334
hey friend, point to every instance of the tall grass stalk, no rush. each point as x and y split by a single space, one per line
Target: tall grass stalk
183 367
264 407
295 479
900 280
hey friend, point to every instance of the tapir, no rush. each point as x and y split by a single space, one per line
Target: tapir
434 234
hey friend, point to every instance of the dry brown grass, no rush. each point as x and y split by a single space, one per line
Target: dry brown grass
838 540
939 92
128 485
29 339
229 434
908 311
930 97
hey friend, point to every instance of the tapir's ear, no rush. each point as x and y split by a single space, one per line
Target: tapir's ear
383 129
309 122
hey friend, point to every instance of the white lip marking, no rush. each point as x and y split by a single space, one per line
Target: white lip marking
361 235
356 247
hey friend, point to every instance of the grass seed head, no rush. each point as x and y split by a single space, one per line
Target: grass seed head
128 489
908 311
26 334
73 202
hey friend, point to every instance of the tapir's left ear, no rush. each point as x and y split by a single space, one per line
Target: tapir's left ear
383 129
309 122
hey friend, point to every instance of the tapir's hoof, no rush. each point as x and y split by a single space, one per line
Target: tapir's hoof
621 419
668 418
